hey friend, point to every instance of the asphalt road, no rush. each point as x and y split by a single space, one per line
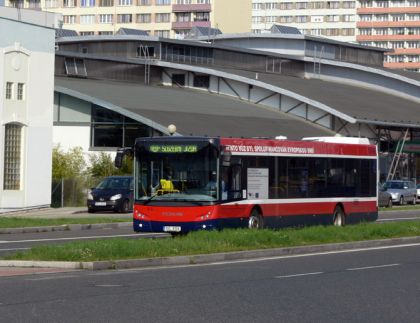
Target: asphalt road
365 286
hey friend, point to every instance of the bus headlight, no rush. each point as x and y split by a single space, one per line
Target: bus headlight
115 197
206 216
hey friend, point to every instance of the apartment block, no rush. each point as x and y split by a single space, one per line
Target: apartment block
164 18
332 19
392 24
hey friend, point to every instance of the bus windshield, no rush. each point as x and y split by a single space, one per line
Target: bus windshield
187 177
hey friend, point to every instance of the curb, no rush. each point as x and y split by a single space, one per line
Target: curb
209 258
67 227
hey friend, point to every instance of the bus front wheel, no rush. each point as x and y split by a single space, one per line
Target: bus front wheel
255 220
338 218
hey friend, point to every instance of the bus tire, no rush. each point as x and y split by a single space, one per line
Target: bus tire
338 217
255 220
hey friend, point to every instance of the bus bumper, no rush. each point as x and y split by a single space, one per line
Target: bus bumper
173 227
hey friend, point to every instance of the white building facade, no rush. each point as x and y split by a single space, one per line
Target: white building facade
26 107
332 19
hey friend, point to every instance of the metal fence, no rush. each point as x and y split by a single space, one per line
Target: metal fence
72 191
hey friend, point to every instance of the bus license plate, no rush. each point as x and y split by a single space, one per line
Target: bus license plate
171 229
100 203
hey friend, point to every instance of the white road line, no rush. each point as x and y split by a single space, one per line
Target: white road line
373 267
80 238
396 219
10 249
300 275
51 277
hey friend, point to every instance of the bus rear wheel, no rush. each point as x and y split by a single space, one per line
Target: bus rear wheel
255 220
338 218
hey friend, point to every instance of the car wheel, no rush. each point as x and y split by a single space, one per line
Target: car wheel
255 220
414 202
125 207
338 217
402 200
389 203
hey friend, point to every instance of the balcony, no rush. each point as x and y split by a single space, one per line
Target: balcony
403 65
387 37
372 24
191 7
388 10
190 24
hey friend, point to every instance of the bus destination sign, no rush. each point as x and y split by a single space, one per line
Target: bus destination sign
174 149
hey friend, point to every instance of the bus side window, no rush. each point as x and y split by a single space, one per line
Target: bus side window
235 182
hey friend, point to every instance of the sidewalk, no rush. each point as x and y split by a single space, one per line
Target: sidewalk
65 212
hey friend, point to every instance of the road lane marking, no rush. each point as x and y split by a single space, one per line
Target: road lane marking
373 267
84 238
300 275
396 219
51 277
10 249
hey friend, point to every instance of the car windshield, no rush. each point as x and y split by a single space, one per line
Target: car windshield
115 183
183 177
394 185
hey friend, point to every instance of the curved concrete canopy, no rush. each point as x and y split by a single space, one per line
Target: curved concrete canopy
194 112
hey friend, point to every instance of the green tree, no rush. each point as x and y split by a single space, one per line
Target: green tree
67 164
102 165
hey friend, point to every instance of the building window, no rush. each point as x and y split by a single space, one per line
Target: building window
144 18
105 33
349 4
12 156
125 2
162 33
183 17
162 17
348 18
318 5
202 16
51 4
69 20
286 5
301 5
87 33
9 90
147 51
34 4
163 2
111 129
202 81
347 31
87 3
20 91
87 20
105 19
106 3
69 3
144 2
333 4
124 18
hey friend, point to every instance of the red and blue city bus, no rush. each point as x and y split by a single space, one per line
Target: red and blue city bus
192 183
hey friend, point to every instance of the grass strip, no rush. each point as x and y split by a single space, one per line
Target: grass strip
18 222
204 242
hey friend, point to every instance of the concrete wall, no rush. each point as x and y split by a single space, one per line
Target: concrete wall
27 56
233 16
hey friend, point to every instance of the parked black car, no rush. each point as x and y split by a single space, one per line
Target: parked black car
114 193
